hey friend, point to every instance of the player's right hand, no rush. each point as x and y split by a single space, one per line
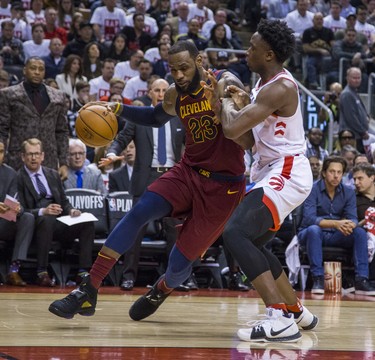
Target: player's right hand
109 160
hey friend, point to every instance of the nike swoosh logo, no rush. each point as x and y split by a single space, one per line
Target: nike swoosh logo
275 333
229 192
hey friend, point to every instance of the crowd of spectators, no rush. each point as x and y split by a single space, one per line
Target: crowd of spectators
114 50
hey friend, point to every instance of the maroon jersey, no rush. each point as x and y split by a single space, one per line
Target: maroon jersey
206 145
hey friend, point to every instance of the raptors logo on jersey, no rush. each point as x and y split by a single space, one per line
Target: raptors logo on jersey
277 182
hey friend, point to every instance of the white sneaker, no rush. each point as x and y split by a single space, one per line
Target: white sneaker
307 320
276 327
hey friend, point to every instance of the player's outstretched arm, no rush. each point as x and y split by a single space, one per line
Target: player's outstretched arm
280 98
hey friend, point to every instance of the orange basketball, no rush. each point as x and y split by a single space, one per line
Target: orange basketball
96 125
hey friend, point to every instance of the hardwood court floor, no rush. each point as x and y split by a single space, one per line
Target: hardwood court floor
195 325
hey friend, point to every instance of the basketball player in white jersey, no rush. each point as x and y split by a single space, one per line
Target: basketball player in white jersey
281 173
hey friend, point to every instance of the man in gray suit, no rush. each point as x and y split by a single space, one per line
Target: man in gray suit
79 175
147 167
20 231
32 109
41 193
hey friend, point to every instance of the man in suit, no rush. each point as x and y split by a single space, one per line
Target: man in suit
79 175
179 23
19 231
41 193
147 166
119 179
32 109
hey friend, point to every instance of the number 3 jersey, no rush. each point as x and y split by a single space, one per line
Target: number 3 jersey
206 145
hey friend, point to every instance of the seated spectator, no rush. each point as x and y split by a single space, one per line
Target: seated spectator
179 22
278 10
117 50
76 46
314 142
137 37
36 14
331 98
38 46
161 67
218 39
200 12
220 18
126 70
19 232
364 177
71 74
363 26
65 13
91 61
193 34
137 86
146 98
348 153
345 137
41 193
21 28
11 48
99 86
317 42
351 19
150 25
330 219
315 165
119 179
53 31
152 54
54 62
161 12
79 175
334 21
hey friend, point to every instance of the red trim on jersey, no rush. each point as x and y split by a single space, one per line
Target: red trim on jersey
275 215
287 168
281 123
262 84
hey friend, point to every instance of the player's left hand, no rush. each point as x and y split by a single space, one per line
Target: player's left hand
239 96
63 172
211 92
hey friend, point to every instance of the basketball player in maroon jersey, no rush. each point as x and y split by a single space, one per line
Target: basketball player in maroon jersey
203 188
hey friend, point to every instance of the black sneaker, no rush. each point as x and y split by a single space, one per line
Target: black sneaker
363 287
236 283
80 301
147 304
318 285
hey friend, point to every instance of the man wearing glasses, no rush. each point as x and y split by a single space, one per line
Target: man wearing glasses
41 193
79 175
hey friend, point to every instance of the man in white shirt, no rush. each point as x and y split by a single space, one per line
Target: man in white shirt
107 20
128 69
200 11
219 18
5 10
38 46
151 26
137 86
21 28
334 21
362 26
99 86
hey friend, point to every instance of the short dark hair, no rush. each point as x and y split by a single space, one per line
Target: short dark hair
333 159
279 37
368 169
31 58
184 45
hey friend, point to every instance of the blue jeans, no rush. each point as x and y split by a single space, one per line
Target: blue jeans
313 238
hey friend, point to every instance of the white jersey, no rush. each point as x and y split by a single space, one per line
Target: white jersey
333 24
135 87
100 87
110 22
367 29
202 15
279 166
31 49
5 13
152 54
124 71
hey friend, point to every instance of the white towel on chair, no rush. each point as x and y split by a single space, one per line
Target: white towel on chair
292 260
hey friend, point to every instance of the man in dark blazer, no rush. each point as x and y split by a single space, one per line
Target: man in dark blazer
41 193
146 167
119 179
20 231
32 109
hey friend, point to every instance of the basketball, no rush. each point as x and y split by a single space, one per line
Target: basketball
96 125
